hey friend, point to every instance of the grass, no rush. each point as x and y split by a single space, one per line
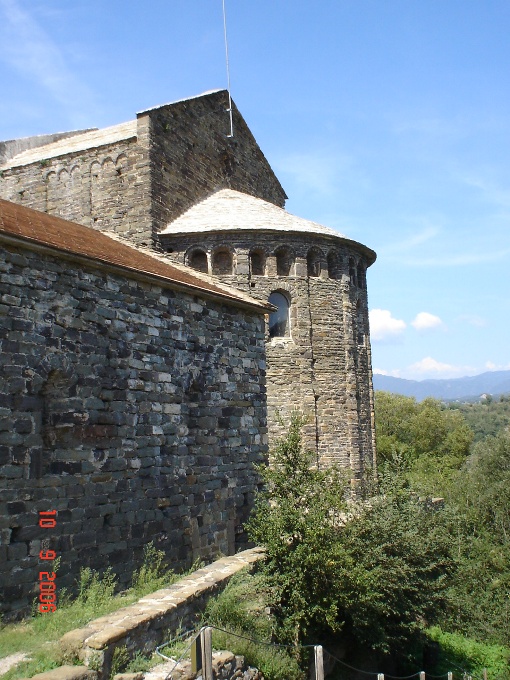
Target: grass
38 635
241 609
458 652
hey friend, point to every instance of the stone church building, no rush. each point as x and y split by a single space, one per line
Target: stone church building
159 310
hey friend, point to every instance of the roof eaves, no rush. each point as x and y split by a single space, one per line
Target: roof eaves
187 287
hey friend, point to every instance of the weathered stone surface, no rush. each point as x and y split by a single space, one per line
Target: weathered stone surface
135 177
322 367
226 666
146 624
86 431
135 409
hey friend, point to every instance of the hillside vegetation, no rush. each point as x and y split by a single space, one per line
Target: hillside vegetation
490 417
417 558
440 454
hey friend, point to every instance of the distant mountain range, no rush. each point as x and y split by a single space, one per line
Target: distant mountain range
469 388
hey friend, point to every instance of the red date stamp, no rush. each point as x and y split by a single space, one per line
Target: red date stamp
47 586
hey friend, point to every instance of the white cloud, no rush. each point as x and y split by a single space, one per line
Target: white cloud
381 371
458 260
425 321
384 327
491 366
412 242
473 320
491 190
430 365
26 47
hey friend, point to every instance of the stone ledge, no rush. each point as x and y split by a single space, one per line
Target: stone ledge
145 624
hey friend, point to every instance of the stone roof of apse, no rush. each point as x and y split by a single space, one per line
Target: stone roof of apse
76 143
40 229
229 210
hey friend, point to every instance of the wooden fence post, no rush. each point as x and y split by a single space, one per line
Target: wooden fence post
318 662
206 645
450 675
380 676
422 675
484 674
196 654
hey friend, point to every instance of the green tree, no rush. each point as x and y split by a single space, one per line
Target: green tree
479 601
296 518
432 440
373 567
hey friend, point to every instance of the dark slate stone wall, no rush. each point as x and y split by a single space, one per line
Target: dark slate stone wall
134 410
191 157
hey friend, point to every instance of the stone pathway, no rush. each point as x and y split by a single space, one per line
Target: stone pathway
159 672
9 662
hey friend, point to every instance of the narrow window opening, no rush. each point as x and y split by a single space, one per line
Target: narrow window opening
279 325
313 263
361 276
198 260
257 262
334 265
222 263
352 272
284 261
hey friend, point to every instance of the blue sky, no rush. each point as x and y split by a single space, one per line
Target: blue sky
388 120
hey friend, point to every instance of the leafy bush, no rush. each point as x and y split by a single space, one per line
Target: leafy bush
153 574
241 606
432 440
275 664
432 450
372 568
479 605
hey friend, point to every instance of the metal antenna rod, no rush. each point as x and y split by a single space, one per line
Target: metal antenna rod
229 110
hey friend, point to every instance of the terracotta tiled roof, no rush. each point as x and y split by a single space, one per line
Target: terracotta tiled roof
74 239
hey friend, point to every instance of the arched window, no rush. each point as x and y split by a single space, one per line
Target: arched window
257 263
352 272
334 265
284 261
198 260
222 262
279 325
313 262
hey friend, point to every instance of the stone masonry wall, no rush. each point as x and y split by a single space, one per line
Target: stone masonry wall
179 155
134 410
191 157
105 188
323 368
12 147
